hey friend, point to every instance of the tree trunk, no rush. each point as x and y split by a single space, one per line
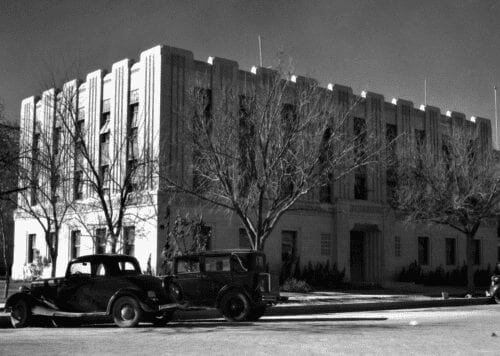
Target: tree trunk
53 257
470 262
7 282
113 241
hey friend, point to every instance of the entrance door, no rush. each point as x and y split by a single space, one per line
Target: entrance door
357 256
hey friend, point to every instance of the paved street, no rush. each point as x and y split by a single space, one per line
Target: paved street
461 330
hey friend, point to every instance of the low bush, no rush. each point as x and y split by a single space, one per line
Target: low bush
456 277
319 275
296 285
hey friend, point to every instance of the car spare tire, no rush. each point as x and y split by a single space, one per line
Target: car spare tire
235 306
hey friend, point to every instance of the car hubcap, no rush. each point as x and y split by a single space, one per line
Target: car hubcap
236 307
127 312
18 313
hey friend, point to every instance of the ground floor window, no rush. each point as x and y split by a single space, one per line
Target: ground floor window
129 240
326 244
32 251
100 241
75 244
450 250
288 245
423 250
397 246
51 243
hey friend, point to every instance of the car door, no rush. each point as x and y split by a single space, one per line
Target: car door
218 272
193 283
75 292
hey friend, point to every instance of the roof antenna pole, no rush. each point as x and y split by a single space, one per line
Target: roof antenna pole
260 51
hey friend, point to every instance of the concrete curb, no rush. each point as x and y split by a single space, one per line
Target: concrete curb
340 308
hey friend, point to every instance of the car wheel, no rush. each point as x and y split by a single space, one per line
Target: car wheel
256 313
163 318
174 292
235 306
20 316
126 312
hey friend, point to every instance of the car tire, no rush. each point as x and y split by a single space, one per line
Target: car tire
163 318
256 313
20 316
235 306
127 312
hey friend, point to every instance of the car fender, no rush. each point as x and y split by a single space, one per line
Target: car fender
130 292
229 287
38 306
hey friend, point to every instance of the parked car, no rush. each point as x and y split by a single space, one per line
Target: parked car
110 286
494 291
234 281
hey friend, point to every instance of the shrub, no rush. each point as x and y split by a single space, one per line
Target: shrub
319 275
296 285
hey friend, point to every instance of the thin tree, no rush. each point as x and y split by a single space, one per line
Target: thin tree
257 153
458 187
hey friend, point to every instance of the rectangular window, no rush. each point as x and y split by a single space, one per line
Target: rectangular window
288 245
78 186
326 244
35 166
57 140
32 251
217 264
450 251
75 244
52 241
359 137
129 240
104 176
104 149
397 246
202 126
243 239
477 252
423 250
100 241
360 189
420 138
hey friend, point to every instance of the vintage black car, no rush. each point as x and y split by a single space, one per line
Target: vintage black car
109 286
235 281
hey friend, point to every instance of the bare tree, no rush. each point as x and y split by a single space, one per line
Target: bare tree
257 152
9 152
112 198
46 175
458 187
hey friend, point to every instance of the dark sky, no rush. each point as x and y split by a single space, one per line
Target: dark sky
388 46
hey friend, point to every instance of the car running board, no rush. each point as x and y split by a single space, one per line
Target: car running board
39 310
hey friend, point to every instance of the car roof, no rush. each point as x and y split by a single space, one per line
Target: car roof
222 252
103 257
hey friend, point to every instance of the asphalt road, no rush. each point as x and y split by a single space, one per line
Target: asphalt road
458 330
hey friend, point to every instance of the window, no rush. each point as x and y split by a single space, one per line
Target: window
288 245
35 166
498 253
326 244
360 190
104 176
75 244
78 185
32 251
420 138
129 240
100 241
205 237
392 183
391 132
79 268
57 140
105 116
477 252
243 239
450 247
202 126
188 265
325 191
217 264
423 250
52 243
397 246
359 137
104 149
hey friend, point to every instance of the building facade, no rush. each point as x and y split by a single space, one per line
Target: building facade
353 227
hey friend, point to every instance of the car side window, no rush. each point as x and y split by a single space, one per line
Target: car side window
100 270
188 265
239 263
80 268
217 264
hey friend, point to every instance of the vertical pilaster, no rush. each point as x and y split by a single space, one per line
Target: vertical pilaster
119 102
27 120
92 124
431 126
375 123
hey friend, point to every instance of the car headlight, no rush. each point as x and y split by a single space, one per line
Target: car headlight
151 294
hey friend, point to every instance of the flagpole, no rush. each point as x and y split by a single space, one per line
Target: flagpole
496 118
260 51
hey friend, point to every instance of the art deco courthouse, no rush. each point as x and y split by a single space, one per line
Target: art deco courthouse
353 227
